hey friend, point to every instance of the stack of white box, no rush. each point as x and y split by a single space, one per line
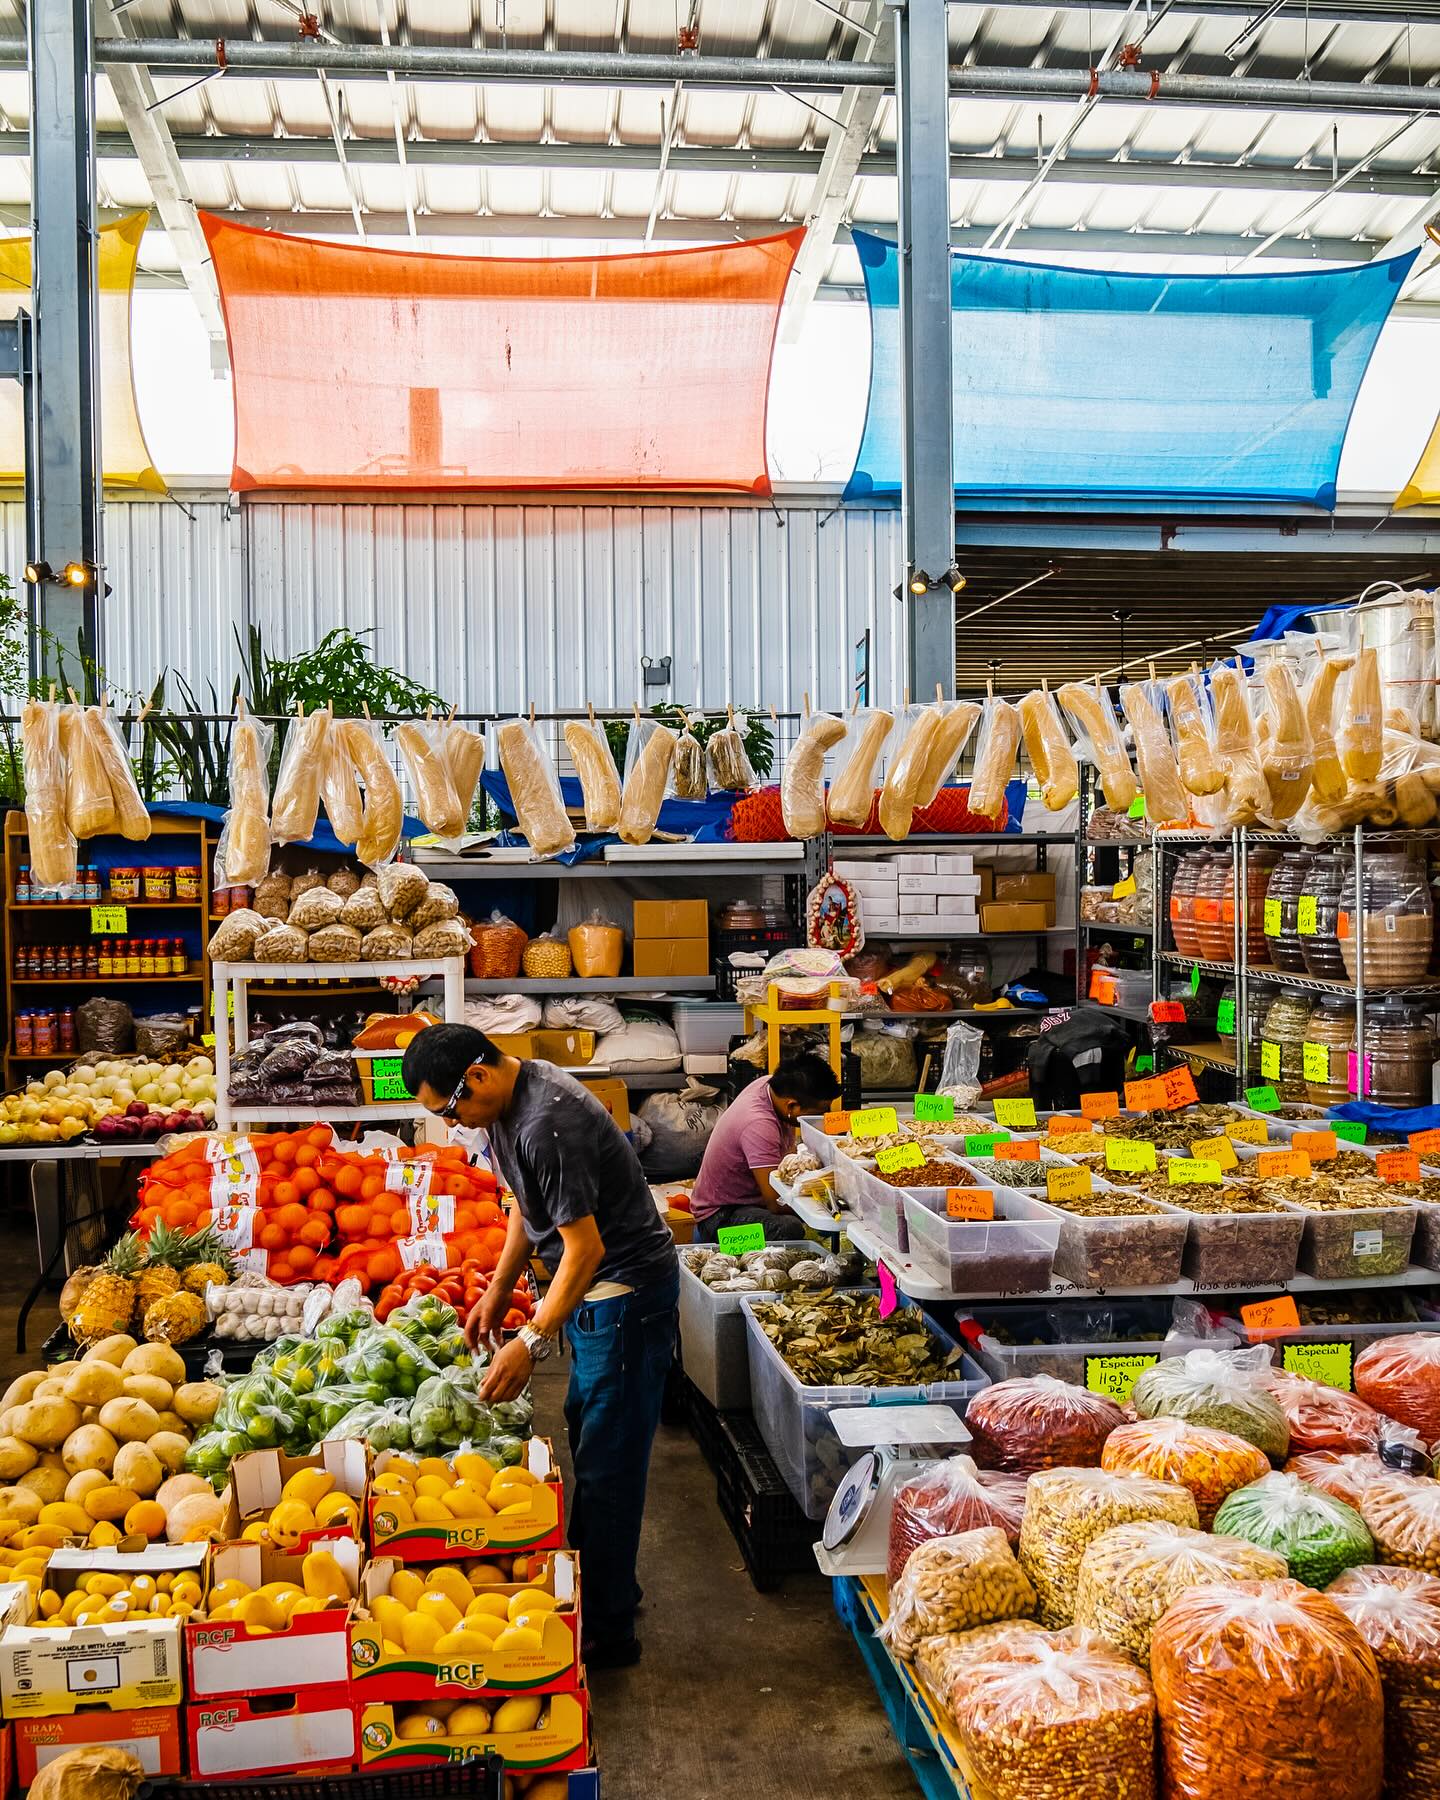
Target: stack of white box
919 893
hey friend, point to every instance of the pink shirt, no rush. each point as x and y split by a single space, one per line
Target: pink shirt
751 1135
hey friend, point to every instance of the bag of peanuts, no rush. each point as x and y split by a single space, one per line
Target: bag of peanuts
1220 1388
1037 1422
1322 1417
1400 1377
1402 1513
953 1583
1266 1687
1318 1537
1131 1575
1067 1509
1212 1464
1397 1612
1343 1475
1058 1716
943 1498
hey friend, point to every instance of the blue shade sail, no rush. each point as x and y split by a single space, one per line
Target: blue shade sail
1078 383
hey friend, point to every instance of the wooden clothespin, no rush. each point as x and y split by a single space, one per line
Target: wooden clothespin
71 692
590 708
144 710
532 712
990 688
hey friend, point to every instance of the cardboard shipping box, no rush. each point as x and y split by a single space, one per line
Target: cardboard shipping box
309 1733
656 957
224 1657
151 1735
612 1094
1035 884
258 1478
537 1528
566 1049
1016 915
557 1740
672 918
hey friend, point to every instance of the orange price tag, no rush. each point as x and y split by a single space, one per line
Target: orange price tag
1099 1106
1397 1165
1270 1315
835 1124
1319 1146
1017 1150
1147 1096
1060 1127
1281 1162
969 1203
1424 1143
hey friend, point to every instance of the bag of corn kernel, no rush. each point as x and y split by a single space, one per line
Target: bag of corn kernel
1266 1687
1397 1612
943 1660
1058 1716
1212 1464
1067 1509
1403 1514
953 1584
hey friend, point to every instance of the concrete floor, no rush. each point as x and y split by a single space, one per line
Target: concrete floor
738 1693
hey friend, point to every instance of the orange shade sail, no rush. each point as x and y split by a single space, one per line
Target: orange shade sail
361 368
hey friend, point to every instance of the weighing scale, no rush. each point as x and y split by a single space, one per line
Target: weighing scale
896 1441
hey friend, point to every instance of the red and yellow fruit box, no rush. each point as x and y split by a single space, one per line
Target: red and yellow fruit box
533 1732
429 1510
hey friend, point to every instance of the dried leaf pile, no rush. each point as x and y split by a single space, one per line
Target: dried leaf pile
841 1339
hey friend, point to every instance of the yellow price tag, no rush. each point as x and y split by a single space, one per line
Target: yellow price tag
1132 1156
1217 1150
1122 890
1186 1171
1248 1131
902 1156
1015 1113
1065 1184
874 1121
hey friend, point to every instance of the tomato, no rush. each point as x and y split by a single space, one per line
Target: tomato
513 1319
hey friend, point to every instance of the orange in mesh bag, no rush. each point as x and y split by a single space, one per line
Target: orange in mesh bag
1266 1686
1210 1463
1397 1612
1400 1377
1037 1422
947 1497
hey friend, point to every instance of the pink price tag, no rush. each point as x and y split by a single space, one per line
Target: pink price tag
889 1293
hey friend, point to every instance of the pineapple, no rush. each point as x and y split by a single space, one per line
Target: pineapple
176 1319
160 1275
75 1285
206 1261
108 1301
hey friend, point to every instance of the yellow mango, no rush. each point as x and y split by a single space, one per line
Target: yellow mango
106 1535
465 1502
522 1476
481 1627
338 1509
406 1587
391 1648
431 1487
402 1465
224 1592
309 1603
435 1466
519 1714
420 1634
485 1574
391 1483
258 1532
519 1637
427 1512
218 1614
257 1610
389 1615
308 1487
494 1606
142 1590
530 1600
435 1605
468 1719
445 1578
471 1466
49 1604
400 1510
323 1577
187 1588
289 1522
100 1583
419 1725
456 1646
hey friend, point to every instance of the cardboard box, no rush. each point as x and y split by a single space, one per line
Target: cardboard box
957 906
129 1666
876 890
152 1737
559 1740
946 864
671 956
223 1658
1016 915
878 923
1037 884
536 1529
682 1225
612 1094
672 918
310 1733
917 906
566 1049
258 1478
852 869
513 1043
987 880
377 1675
696 1062
915 862
961 886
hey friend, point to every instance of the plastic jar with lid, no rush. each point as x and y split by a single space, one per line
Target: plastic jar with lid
1317 911
1182 900
1329 1050
1399 1053
1282 945
1282 1043
1214 939
1259 872
1398 918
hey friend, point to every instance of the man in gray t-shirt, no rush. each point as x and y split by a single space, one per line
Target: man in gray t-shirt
584 1207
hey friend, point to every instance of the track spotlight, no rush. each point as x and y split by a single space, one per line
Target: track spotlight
920 583
954 580
37 573
78 575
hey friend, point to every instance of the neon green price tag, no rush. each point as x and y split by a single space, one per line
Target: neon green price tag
1137 808
1263 1099
938 1108
109 918
1195 979
874 1121
386 1079
1018 1113
1225 1018
1115 1376
1351 1130
735 1240
984 1146
1144 1065
1331 1363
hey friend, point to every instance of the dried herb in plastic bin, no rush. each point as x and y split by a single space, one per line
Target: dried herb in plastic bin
840 1340
1318 1537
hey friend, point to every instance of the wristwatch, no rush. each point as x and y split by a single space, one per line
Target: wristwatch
536 1343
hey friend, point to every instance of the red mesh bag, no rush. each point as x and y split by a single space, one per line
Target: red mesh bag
1321 1417
757 818
1037 1422
948 812
1400 1377
946 1498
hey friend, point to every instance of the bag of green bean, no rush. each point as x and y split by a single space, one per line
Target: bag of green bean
1318 1537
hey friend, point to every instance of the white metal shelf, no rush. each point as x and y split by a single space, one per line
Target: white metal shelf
661 987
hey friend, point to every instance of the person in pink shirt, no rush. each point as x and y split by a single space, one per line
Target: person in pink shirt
755 1134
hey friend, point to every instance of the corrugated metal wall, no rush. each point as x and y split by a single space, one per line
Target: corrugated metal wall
498 605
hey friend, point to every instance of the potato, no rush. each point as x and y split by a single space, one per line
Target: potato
155 1359
111 1349
131 1421
149 1388
91 1447
172 1423
48 1484
138 1467
16 1457
22 1388
46 1423
53 1387
197 1402
181 1487
109 1502
80 1485
20 1503
93 1383
171 1449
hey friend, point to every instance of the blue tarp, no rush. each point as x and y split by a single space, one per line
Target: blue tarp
324 838
1076 382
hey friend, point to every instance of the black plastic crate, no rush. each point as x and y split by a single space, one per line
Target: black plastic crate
774 1536
757 943
479 1778
704 1424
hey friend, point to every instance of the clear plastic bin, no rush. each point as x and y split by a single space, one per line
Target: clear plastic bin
1023 1175
882 1207
1354 1246
1123 1250
712 1344
1064 1329
1248 1249
705 1027
815 1140
1010 1254
794 1419
1127 988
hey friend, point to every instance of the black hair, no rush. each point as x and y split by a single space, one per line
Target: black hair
808 1079
440 1054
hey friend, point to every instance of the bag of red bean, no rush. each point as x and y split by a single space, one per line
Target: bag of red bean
945 1498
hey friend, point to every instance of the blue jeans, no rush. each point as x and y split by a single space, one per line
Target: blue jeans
621 1351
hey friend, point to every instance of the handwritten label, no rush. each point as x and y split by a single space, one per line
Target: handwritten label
1282 1163
938 1108
1133 1156
1319 1146
427 1250
109 918
1248 1131
1099 1106
1315 1061
889 1293
1017 1150
1060 1127
1225 1019
1136 808
1269 1060
985 1145
1424 1143
1146 1096
1122 890
386 1081
1369 1243
1272 918
1065 1184
835 1124
1179 1088
1217 1150
902 1156
874 1121
1264 1316
1332 1364
1306 916
1018 1114
969 1203
208 1040
1262 1099
1349 1131
1191 1171
1115 1376
1397 1165
1167 1012
735 1240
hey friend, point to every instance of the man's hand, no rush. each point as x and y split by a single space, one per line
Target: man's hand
508 1372
486 1317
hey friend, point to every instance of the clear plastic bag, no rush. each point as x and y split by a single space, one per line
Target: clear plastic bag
464 752
1193 724
960 1071
802 779
89 810
1402 1514
1212 1464
1219 1388
1397 1612
437 803
384 812
1098 739
1360 738
1131 1575
1344 1475
296 805
942 1498
1328 778
382 1424
242 857
534 789
996 751
132 816
1057 1717
383 1355
852 793
1036 1422
690 779
1166 801
954 1583
340 788
905 774
944 1660
649 755
1047 744
1288 758
958 719
599 778
1247 796
1321 1417
1400 1377
725 754
52 847
1066 1509
1318 1536
1264 1687
597 948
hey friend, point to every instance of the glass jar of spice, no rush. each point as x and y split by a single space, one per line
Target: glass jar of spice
1399 1054
1214 939
1282 897
1397 919
1317 911
1282 1043
1259 872
1328 1050
1182 901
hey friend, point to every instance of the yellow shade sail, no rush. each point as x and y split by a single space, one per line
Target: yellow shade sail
124 454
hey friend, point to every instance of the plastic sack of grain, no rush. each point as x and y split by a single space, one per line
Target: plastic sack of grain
1397 1612
942 1660
1402 1514
943 1498
1067 1509
953 1584
1321 1417
1220 1388
1318 1537
1400 1377
1343 1475
1037 1422
1212 1464
1266 1687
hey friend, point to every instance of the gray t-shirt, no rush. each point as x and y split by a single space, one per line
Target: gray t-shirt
567 1159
